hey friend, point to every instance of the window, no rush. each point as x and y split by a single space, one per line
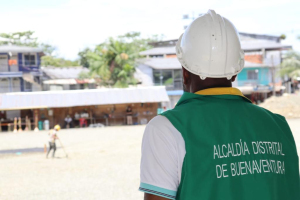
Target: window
156 77
252 74
81 86
29 60
178 79
156 56
73 87
163 77
167 77
172 79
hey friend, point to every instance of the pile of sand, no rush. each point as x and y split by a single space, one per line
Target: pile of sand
287 105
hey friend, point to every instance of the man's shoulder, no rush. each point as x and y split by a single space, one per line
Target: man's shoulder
160 126
159 122
260 110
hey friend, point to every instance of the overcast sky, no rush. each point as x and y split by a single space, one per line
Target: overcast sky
72 25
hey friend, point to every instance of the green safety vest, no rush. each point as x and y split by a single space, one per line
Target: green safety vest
234 150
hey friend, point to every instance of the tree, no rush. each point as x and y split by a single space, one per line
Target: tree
48 49
83 58
290 65
282 36
52 61
26 39
19 38
84 75
114 60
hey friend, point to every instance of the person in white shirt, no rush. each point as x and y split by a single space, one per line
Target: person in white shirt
52 138
68 122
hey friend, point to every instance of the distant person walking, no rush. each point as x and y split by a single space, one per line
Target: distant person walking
129 115
53 137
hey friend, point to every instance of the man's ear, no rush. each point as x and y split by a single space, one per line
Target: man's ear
185 76
233 78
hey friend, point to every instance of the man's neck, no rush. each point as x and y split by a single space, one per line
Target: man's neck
197 88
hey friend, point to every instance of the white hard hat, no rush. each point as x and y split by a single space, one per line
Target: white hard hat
210 47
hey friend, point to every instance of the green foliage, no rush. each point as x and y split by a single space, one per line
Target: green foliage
57 62
169 81
19 38
26 39
83 58
282 36
291 65
48 49
114 60
50 60
84 75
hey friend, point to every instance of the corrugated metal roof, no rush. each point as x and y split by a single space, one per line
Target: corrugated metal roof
162 63
70 81
246 46
63 72
19 49
243 36
256 46
159 51
70 98
173 63
253 36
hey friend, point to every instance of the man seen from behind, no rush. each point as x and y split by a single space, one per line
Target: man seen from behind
215 144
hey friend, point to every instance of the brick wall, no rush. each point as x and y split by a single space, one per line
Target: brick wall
255 58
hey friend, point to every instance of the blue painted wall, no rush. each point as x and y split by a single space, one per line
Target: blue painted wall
23 68
20 61
32 68
263 76
22 84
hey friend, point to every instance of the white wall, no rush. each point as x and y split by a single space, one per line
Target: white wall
4 85
3 63
16 85
55 87
36 87
144 74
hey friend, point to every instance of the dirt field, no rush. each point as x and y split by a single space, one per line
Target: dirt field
102 164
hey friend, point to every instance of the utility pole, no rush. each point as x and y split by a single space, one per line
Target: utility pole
273 76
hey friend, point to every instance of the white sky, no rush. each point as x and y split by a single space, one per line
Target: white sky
72 25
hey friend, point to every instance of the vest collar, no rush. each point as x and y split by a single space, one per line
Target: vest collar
222 91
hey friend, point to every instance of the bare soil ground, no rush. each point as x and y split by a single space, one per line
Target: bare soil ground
102 163
287 105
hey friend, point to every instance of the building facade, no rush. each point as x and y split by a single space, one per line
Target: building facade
66 78
262 57
20 69
107 106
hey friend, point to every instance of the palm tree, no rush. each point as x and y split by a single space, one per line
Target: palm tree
291 65
114 60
